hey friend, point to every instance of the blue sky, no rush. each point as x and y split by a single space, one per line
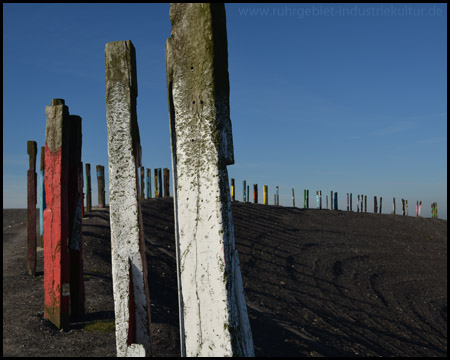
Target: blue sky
349 98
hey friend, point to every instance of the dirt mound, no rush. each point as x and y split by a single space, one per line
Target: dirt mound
317 283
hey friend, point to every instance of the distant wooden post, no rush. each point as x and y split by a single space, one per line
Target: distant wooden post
213 313
255 193
406 201
351 202
365 203
75 197
244 183
160 184
265 195
274 199
232 190
327 202
420 207
81 180
149 184
435 210
293 198
375 207
403 207
142 192
331 200
31 204
88 189
166 183
129 266
101 185
335 201
56 219
42 197
357 203
307 199
277 191
348 205
320 199
381 203
156 184
304 199
248 193
317 199
417 208
394 206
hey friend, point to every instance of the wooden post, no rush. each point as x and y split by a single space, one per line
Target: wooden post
348 205
335 201
213 312
166 183
149 183
420 206
327 202
307 199
375 207
417 208
75 196
320 199
304 199
248 193
157 185
332 200
101 185
129 267
317 199
160 184
56 221
365 203
31 205
88 189
293 198
394 206
403 207
244 183
357 203
406 201
265 195
255 193
42 197
81 180
142 183
232 190
381 202
351 202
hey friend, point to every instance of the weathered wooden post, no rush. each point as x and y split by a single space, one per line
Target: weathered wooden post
277 191
232 190
293 198
81 180
381 202
244 183
348 205
365 203
435 209
166 183
129 265
417 208
56 220
335 201
31 205
248 193
403 207
149 183
265 195
375 207
142 183
406 207
304 199
101 185
394 206
357 204
307 199
213 312
88 189
75 196
255 193
332 200
320 199
42 197
326 197
420 206
160 184
157 185
351 202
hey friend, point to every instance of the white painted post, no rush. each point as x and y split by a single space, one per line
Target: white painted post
129 268
213 312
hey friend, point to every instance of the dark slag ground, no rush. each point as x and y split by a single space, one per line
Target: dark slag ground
317 283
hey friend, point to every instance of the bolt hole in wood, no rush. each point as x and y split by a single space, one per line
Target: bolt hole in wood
192 68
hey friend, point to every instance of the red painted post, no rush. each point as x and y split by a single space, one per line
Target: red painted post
75 190
31 204
56 254
166 183
255 193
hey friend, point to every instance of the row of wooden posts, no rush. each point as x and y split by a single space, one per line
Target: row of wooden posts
361 204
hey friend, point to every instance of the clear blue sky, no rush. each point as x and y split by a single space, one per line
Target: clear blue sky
349 98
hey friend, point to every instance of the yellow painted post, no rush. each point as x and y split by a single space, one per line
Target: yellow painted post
265 190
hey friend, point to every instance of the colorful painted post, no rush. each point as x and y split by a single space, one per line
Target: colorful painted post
142 192
88 189
160 184
244 183
213 312
420 206
375 207
56 220
157 185
232 190
31 205
75 197
255 193
265 195
166 183
101 185
42 197
381 202
129 267
149 184
293 198
335 201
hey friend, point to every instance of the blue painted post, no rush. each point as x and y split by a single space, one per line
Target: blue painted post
42 197
244 183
